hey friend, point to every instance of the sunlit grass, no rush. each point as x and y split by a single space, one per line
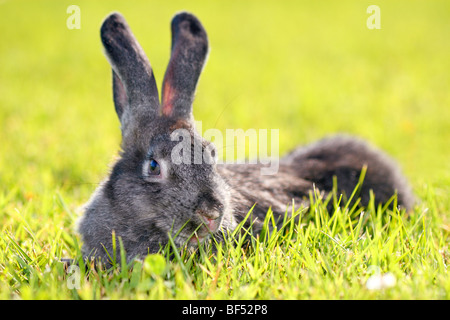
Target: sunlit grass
312 255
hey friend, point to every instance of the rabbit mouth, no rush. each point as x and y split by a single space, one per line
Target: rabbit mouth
208 226
195 239
211 225
199 236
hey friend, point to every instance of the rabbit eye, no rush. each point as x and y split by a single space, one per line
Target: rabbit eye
153 168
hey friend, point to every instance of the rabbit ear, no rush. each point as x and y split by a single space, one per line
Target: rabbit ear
119 95
134 84
189 51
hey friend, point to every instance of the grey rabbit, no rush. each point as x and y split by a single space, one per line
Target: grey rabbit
147 197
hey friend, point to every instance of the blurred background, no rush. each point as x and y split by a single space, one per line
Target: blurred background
307 68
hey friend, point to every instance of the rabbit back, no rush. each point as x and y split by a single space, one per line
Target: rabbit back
344 157
316 166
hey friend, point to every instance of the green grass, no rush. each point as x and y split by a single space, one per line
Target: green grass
307 69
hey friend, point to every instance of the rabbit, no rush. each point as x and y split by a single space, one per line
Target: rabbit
147 197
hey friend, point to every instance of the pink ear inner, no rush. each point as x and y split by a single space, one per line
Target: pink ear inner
169 92
168 99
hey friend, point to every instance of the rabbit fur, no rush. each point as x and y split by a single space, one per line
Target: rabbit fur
192 201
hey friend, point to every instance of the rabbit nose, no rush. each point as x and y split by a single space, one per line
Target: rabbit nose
209 218
208 214
208 205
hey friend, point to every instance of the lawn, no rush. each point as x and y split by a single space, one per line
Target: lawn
309 69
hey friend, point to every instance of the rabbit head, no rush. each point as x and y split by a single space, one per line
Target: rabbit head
148 195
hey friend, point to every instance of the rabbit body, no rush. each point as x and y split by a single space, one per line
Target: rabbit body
148 197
